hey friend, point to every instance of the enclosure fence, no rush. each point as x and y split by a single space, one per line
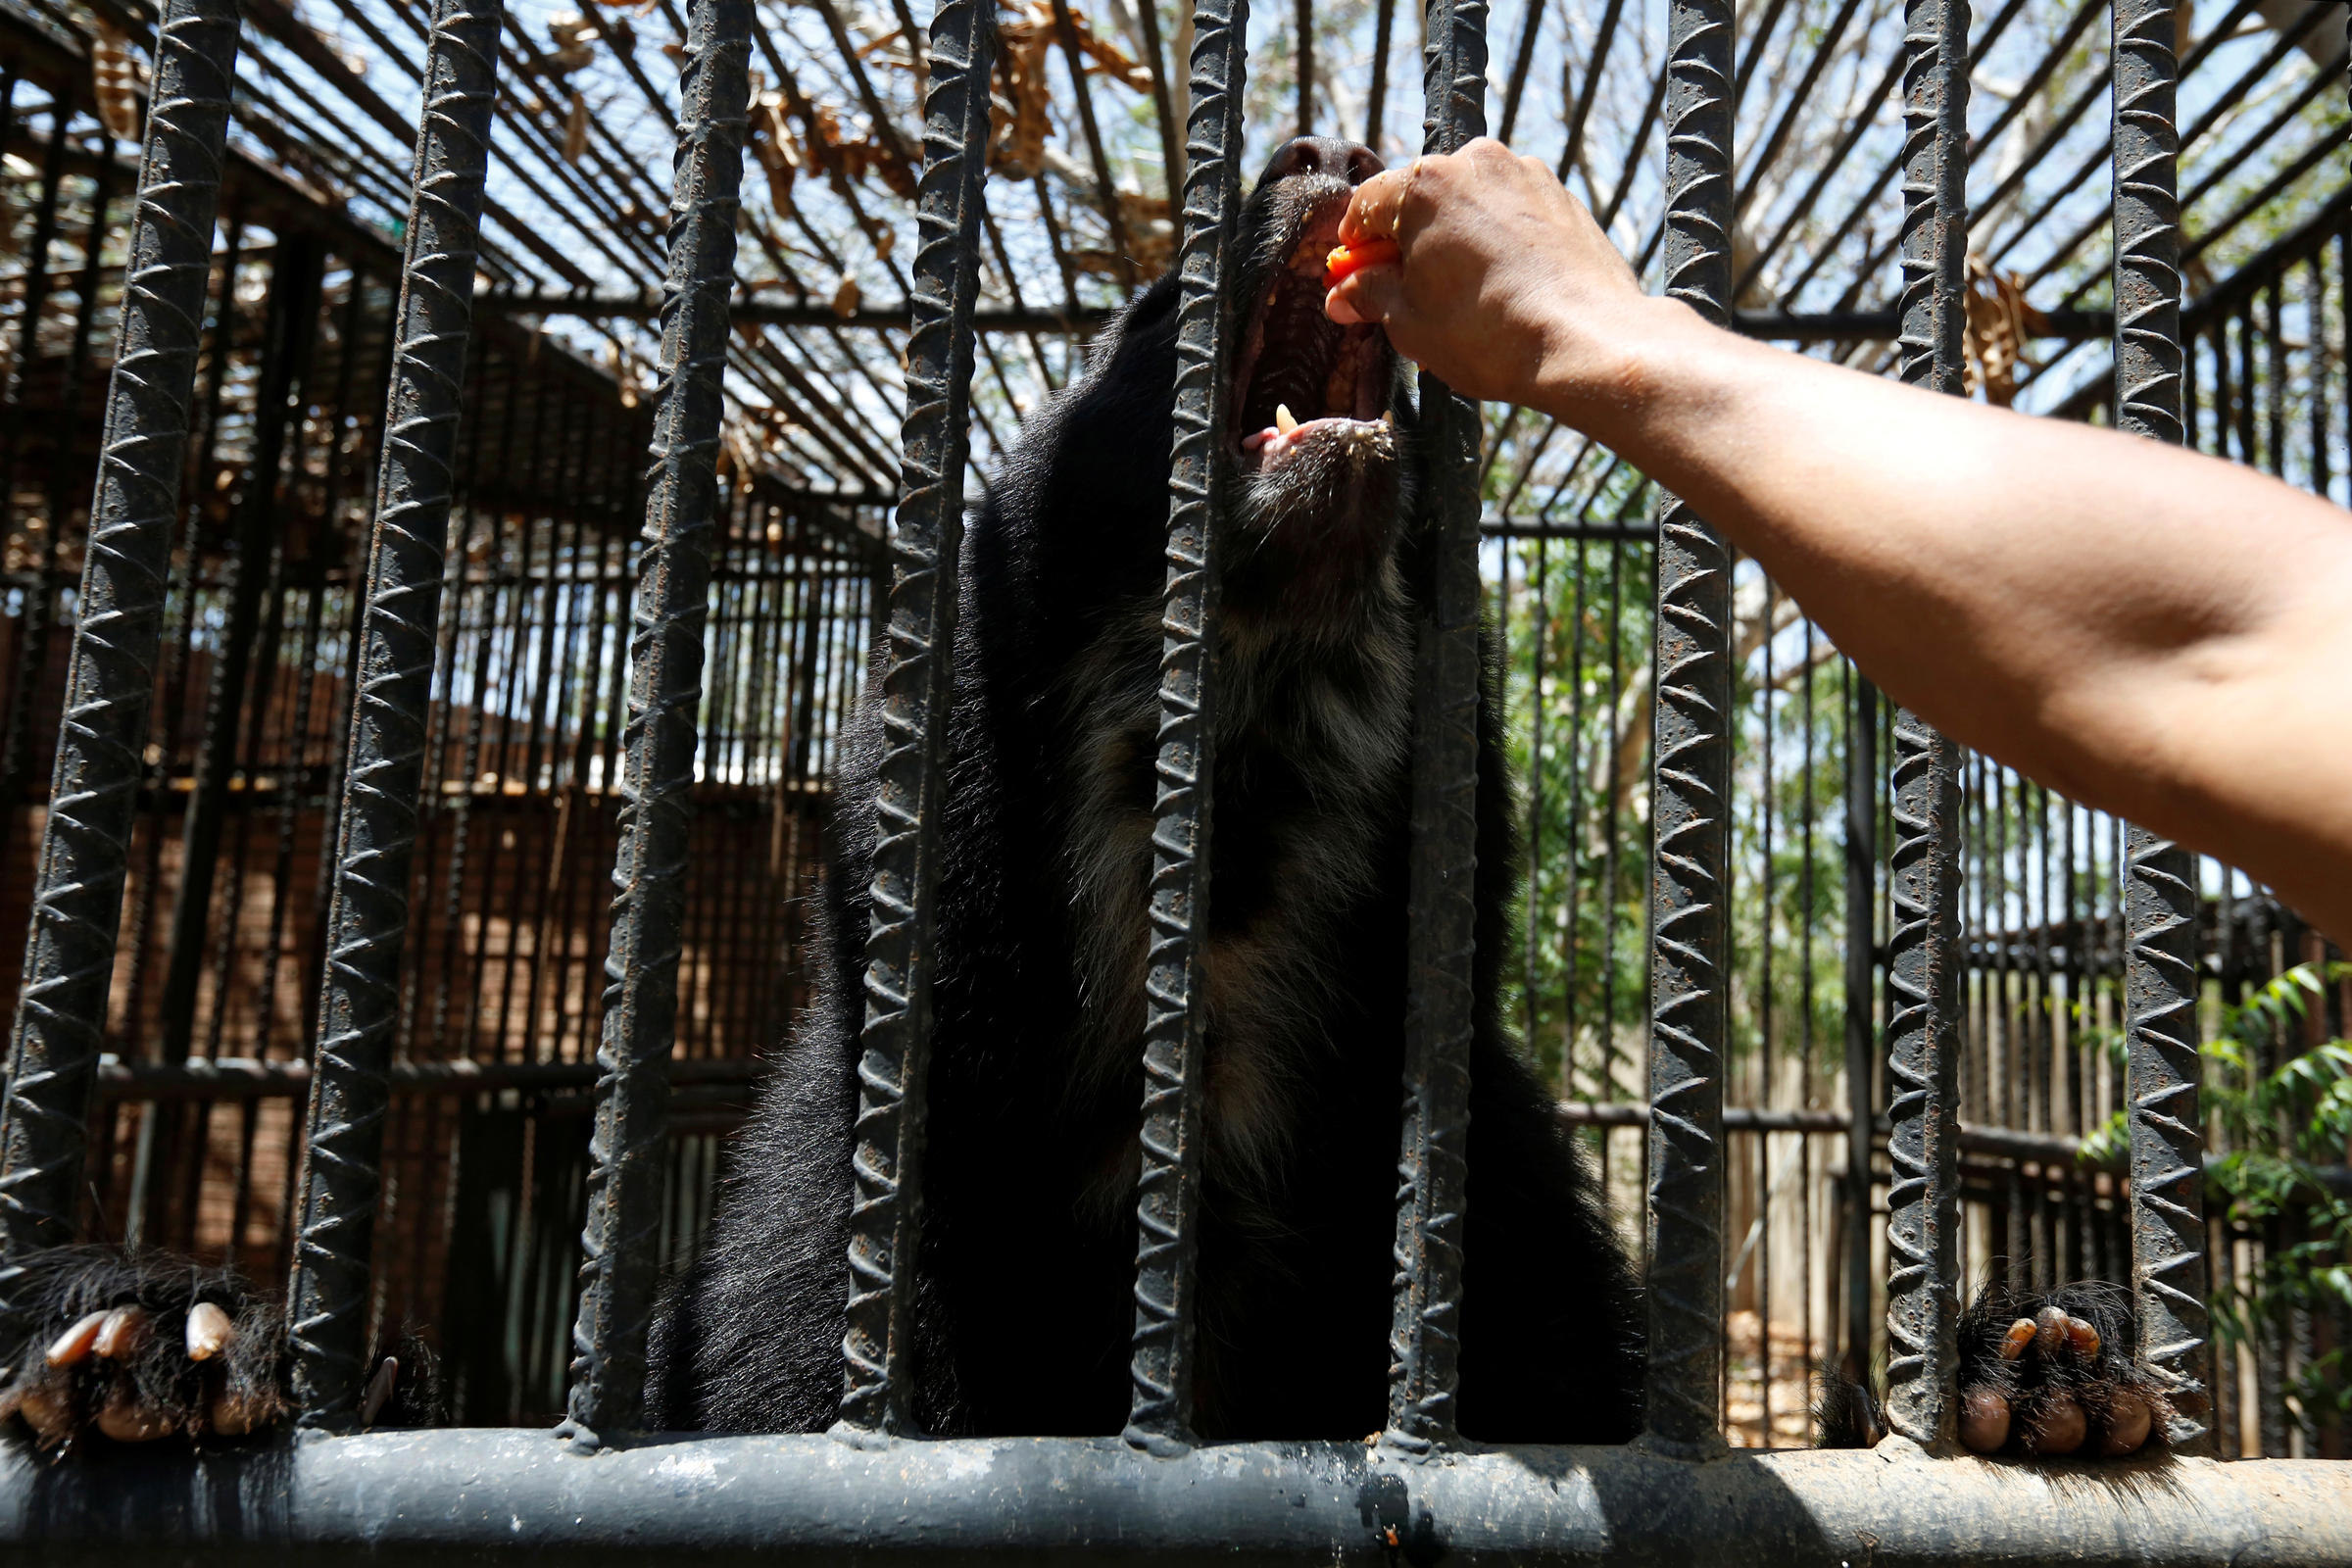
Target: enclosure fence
598 1487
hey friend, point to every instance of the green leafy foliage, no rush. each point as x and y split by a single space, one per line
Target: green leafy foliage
2280 1128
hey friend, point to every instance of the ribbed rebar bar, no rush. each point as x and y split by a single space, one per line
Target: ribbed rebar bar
917 680
619 1247
1924 950
376 834
1861 856
2160 891
110 673
1440 921
1167 1190
1690 797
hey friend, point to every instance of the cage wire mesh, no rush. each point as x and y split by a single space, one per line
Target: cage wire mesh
215 992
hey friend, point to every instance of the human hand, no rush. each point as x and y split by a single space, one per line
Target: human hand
1505 289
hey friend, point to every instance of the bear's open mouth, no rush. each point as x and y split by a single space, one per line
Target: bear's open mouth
1301 377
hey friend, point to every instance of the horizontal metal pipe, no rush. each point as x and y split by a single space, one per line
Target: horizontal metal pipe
496 1495
2000 1142
243 1078
778 308
1535 529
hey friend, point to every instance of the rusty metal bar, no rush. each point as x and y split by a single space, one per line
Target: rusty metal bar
1168 1188
1690 799
627 1153
1425 1332
376 834
2160 892
110 673
917 680
1925 948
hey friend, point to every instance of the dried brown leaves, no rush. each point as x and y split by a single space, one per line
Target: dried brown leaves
1999 326
116 80
1026 34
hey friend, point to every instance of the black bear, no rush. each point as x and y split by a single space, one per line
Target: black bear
1022 1303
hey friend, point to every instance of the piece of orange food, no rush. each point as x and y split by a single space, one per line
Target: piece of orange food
1346 261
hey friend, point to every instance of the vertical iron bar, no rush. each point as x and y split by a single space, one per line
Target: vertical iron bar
1924 953
1538 578
1168 1188
1424 1343
2160 897
619 1249
1515 88
1305 29
110 673
290 328
1581 102
916 681
1171 151
1861 875
1691 797
40 602
376 834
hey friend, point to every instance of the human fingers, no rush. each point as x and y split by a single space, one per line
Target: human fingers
1369 295
1377 209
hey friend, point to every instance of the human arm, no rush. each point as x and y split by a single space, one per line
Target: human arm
2155 633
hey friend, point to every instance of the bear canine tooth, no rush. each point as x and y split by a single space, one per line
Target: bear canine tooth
1284 419
74 1343
209 1331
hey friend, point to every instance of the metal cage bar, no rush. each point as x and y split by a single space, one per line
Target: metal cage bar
429 1498
1425 1334
1690 797
628 1149
1924 956
109 677
916 679
375 835
2164 1070
1168 1187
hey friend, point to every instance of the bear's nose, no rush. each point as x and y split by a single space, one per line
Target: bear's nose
1349 160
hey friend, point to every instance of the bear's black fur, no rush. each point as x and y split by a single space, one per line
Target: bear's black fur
1023 1305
